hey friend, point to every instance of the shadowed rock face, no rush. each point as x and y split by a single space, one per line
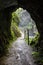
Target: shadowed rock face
7 3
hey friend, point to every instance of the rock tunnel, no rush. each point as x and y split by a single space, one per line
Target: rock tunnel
34 7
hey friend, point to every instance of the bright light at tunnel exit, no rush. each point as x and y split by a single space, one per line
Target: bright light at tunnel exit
26 22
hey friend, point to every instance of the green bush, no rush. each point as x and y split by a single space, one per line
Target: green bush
38 58
14 30
15 18
34 41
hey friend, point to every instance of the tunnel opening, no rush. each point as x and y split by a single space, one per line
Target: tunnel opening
26 22
23 26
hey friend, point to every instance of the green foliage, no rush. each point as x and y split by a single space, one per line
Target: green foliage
18 11
38 59
34 41
15 18
36 54
14 26
15 15
14 30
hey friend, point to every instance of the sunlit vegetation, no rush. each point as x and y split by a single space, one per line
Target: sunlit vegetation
37 53
15 18
39 59
33 41
15 32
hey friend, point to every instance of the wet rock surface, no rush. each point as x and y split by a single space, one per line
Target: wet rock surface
19 54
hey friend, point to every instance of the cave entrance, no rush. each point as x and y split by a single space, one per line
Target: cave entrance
26 25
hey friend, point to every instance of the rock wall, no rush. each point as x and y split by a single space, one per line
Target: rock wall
6 8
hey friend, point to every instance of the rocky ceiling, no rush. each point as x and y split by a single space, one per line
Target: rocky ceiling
34 6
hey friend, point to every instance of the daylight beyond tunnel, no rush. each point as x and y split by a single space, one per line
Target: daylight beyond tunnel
26 23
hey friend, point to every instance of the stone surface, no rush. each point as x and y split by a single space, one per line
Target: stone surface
19 54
